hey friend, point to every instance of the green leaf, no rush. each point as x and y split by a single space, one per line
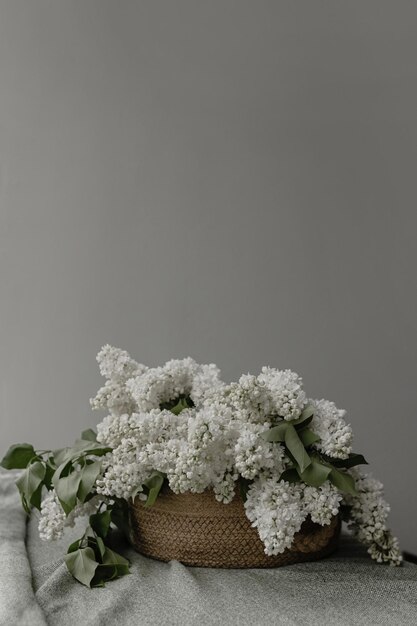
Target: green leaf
296 448
100 577
176 405
62 470
66 489
180 406
105 573
244 485
307 412
154 484
308 437
49 473
315 474
113 565
89 474
89 435
81 447
18 456
342 481
305 417
25 504
89 447
30 483
101 546
120 518
97 544
98 580
36 497
100 523
60 456
276 433
75 545
82 565
354 459
92 543
113 558
302 422
290 476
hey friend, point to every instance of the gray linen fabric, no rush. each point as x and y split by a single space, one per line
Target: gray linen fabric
347 588
17 600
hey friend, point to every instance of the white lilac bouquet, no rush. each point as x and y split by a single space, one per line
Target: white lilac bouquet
289 456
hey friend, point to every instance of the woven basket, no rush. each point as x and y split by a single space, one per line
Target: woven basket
197 530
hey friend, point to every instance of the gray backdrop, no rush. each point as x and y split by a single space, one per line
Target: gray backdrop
235 181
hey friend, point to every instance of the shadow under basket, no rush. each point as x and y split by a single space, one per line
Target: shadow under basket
198 531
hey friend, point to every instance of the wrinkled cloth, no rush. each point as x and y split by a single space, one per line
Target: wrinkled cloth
18 604
345 588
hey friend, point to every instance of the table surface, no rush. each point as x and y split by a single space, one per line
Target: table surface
345 588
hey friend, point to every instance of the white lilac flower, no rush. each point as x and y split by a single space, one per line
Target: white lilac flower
206 456
321 503
181 372
160 385
249 399
286 394
275 508
115 398
206 382
253 454
369 510
161 439
113 428
368 515
329 424
386 549
53 520
122 475
117 365
225 488
144 442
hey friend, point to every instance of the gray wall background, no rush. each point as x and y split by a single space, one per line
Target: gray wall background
235 181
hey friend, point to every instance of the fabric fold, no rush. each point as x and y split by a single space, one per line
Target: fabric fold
18 605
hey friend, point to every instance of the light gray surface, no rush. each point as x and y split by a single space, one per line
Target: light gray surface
347 588
18 606
231 180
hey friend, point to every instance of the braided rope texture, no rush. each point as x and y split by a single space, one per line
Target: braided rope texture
198 531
